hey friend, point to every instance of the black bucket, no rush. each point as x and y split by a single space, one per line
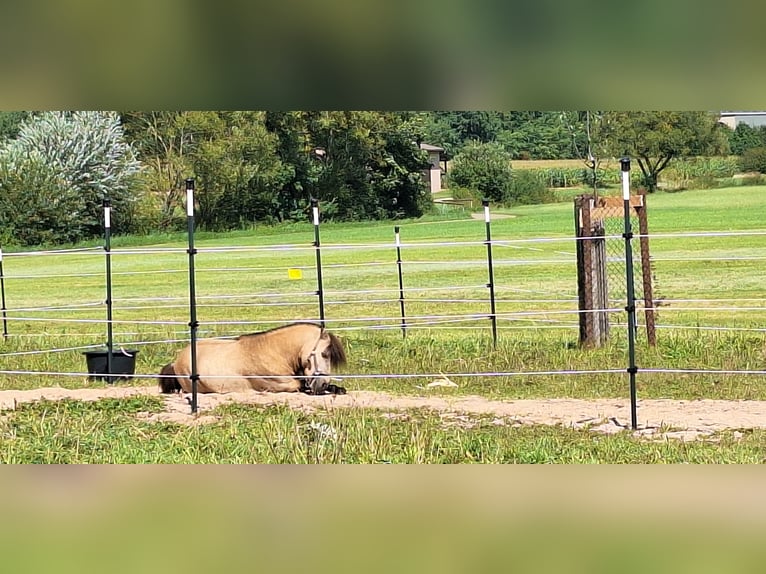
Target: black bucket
123 363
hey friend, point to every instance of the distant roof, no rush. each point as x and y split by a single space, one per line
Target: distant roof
429 147
743 113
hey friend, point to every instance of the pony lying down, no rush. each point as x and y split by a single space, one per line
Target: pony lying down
291 358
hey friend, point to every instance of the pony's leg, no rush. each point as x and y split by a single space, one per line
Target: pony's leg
286 385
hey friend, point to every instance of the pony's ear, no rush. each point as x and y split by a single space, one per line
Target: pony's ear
337 353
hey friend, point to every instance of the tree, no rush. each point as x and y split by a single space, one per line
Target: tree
60 167
746 137
484 167
162 140
239 171
398 176
370 166
524 134
656 138
454 129
232 155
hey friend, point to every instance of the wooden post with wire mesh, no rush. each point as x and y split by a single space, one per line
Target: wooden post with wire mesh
597 221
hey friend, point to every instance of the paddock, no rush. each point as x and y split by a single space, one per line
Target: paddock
710 305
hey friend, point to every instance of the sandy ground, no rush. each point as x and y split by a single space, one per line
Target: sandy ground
658 418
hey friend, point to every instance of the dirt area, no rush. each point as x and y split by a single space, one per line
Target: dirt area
657 418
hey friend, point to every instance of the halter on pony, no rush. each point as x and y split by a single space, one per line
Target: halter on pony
315 372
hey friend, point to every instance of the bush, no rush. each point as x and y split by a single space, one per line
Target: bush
466 193
485 167
529 187
753 159
55 174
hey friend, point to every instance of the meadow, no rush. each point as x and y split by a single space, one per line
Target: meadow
708 249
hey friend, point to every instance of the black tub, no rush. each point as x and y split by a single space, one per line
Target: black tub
123 363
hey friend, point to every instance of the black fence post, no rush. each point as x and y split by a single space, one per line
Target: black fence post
193 324
401 281
317 246
491 284
631 296
108 254
2 296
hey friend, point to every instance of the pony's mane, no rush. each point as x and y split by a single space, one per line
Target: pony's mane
337 353
280 328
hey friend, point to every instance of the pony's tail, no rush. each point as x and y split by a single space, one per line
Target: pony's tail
168 384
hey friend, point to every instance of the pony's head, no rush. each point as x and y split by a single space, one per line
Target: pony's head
317 361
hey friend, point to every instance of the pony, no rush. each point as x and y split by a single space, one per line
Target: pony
292 358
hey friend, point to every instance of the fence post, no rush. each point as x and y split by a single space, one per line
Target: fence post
108 254
592 286
631 297
193 324
2 296
491 284
646 272
317 245
401 282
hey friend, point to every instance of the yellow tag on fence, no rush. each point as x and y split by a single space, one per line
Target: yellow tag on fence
294 274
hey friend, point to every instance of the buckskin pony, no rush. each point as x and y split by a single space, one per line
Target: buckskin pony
293 358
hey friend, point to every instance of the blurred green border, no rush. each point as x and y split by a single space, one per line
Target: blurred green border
340 55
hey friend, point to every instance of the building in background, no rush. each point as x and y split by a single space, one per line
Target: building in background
438 166
733 119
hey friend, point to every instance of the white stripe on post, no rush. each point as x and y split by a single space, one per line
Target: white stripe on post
107 216
190 202
486 213
316 215
625 164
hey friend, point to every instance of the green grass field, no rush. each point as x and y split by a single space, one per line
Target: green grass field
108 431
708 250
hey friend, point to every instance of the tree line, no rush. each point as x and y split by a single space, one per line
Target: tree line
265 166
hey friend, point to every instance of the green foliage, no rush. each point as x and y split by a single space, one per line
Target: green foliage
262 167
560 176
55 174
371 167
162 141
485 167
458 192
10 123
452 130
754 159
545 135
523 134
238 170
266 166
34 206
699 172
746 137
656 138
529 187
